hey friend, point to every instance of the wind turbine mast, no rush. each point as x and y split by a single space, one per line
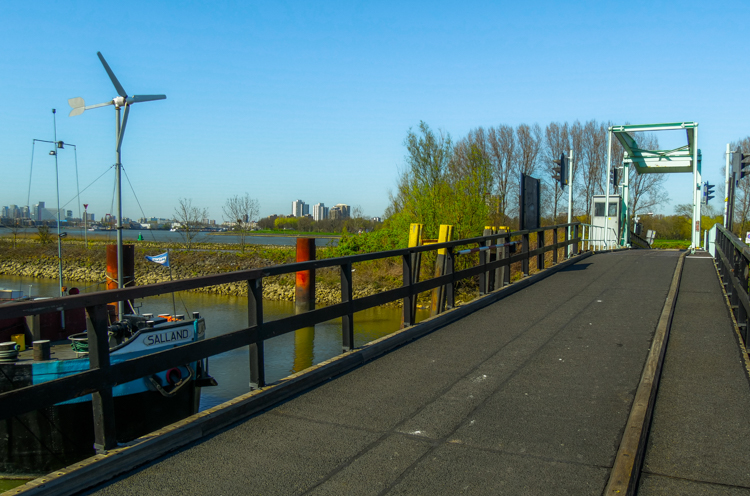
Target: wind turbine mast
121 100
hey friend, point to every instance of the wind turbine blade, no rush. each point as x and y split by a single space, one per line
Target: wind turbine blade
118 86
122 128
99 105
76 111
146 98
76 102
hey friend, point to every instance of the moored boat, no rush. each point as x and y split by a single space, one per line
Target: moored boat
45 440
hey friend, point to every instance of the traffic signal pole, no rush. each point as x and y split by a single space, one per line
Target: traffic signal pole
606 202
726 189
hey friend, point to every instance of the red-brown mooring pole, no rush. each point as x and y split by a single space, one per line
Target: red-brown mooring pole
304 290
128 267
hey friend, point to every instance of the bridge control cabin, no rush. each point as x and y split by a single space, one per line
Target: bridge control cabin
600 223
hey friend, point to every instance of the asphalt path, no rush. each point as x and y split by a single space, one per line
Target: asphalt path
700 434
529 395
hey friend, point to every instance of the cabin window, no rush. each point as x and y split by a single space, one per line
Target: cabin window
599 209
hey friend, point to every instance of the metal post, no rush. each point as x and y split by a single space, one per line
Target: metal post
103 405
554 242
118 179
570 193
408 309
255 318
606 203
525 249
726 189
696 227
347 320
450 299
304 292
540 244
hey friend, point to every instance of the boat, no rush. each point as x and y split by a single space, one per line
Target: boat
45 440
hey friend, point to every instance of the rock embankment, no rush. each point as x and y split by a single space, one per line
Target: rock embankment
94 273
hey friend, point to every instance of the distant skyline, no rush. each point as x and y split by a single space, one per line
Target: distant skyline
293 100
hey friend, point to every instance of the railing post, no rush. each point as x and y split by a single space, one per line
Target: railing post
554 242
540 244
575 239
566 239
255 318
506 254
347 320
408 309
105 433
741 313
483 274
525 249
304 291
499 255
450 265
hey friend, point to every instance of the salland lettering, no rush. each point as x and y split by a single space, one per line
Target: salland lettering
166 337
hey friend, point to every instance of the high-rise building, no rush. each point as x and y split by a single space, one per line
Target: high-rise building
320 212
340 211
300 208
39 211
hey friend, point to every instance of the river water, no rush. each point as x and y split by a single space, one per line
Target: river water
284 355
176 237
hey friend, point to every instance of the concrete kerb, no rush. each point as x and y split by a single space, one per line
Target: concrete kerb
100 468
626 470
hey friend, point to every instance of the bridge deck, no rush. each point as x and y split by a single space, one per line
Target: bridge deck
700 435
529 395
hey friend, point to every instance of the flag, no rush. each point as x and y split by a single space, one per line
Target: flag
162 259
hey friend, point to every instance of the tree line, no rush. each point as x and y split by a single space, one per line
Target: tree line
474 181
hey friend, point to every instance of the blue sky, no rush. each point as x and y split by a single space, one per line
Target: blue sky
312 100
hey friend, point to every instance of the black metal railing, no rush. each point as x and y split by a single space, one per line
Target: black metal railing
104 375
732 260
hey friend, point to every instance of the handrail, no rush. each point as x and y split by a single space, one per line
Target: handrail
103 376
732 261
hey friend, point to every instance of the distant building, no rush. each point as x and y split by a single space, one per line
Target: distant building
320 212
300 208
340 211
377 219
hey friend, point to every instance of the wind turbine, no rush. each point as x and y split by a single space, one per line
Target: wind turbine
120 101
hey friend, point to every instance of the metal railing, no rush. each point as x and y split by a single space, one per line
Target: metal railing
593 238
104 375
732 259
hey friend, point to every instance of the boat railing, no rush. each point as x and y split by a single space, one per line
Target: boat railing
103 375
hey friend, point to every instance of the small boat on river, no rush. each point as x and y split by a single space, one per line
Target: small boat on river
45 440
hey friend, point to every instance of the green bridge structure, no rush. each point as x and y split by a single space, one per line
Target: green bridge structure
602 372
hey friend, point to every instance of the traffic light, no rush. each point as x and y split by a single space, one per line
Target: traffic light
740 162
561 171
708 193
614 177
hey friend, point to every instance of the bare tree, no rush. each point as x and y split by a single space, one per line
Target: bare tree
190 219
502 148
241 210
575 134
741 219
595 156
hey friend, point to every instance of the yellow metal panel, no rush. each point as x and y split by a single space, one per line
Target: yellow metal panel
446 233
415 235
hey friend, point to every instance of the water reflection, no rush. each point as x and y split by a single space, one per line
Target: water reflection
284 354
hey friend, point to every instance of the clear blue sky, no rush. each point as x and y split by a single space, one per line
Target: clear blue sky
312 100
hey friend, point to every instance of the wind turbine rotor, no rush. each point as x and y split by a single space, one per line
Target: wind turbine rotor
145 98
79 106
118 86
